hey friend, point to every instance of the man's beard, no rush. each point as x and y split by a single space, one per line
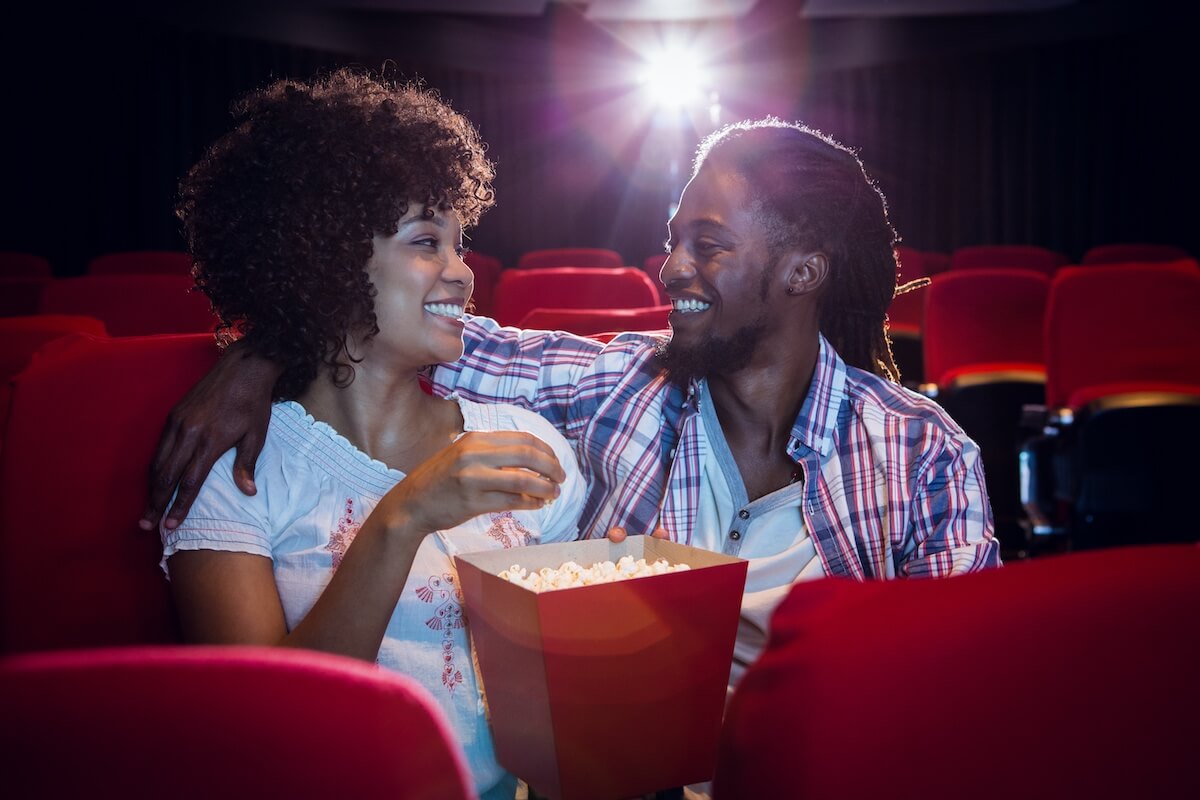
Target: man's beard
712 354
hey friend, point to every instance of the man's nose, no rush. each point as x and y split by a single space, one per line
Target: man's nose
678 268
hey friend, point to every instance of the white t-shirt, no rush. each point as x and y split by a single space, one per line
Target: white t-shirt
314 491
769 532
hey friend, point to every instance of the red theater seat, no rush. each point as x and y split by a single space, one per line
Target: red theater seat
141 262
1120 324
24 265
982 320
205 722
906 317
1007 257
935 263
984 354
590 321
1133 253
1116 462
20 338
22 295
132 305
570 257
1067 676
520 291
75 569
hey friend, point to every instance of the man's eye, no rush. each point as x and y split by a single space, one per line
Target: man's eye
668 246
706 247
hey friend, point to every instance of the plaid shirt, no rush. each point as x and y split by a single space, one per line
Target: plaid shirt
893 487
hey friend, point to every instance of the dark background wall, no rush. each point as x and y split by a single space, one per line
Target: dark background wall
1063 128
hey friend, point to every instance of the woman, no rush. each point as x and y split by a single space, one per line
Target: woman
327 228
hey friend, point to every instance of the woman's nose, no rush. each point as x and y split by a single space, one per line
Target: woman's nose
458 271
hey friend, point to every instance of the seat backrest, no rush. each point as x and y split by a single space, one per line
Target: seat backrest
85 416
983 316
1009 256
141 262
21 337
1121 324
906 312
1133 253
935 263
520 291
487 271
132 305
570 257
24 265
1062 676
203 722
22 295
588 321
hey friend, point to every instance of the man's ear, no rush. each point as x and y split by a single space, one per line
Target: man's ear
806 271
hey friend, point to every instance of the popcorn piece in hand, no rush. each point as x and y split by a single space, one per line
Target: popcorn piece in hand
571 575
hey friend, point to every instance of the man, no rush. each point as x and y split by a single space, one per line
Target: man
770 426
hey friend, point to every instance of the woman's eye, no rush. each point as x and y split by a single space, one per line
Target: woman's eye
461 250
426 241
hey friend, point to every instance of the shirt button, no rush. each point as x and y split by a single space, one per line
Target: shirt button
735 535
744 514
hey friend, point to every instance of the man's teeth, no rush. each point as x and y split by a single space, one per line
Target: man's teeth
445 310
688 306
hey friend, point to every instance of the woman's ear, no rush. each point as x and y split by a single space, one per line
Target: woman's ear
806 272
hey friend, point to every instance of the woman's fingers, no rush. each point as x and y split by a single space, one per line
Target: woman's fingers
509 480
513 450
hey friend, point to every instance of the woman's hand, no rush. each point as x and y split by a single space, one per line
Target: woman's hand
481 472
229 407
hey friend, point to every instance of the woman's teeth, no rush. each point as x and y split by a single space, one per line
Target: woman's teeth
445 310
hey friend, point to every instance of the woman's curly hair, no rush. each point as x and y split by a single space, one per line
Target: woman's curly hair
280 212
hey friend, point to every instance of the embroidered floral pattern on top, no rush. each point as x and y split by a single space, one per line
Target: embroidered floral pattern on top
448 615
340 539
507 531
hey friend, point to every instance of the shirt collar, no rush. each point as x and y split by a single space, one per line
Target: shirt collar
817 423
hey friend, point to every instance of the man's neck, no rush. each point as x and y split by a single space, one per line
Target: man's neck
757 407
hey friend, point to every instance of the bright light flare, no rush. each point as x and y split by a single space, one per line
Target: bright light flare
675 78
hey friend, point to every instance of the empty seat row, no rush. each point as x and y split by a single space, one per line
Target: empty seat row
128 304
519 292
998 343
138 262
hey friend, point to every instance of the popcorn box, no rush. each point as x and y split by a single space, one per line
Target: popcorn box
612 690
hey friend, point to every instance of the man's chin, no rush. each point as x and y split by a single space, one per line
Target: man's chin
686 360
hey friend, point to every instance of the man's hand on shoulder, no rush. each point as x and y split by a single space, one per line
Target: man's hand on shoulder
229 407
